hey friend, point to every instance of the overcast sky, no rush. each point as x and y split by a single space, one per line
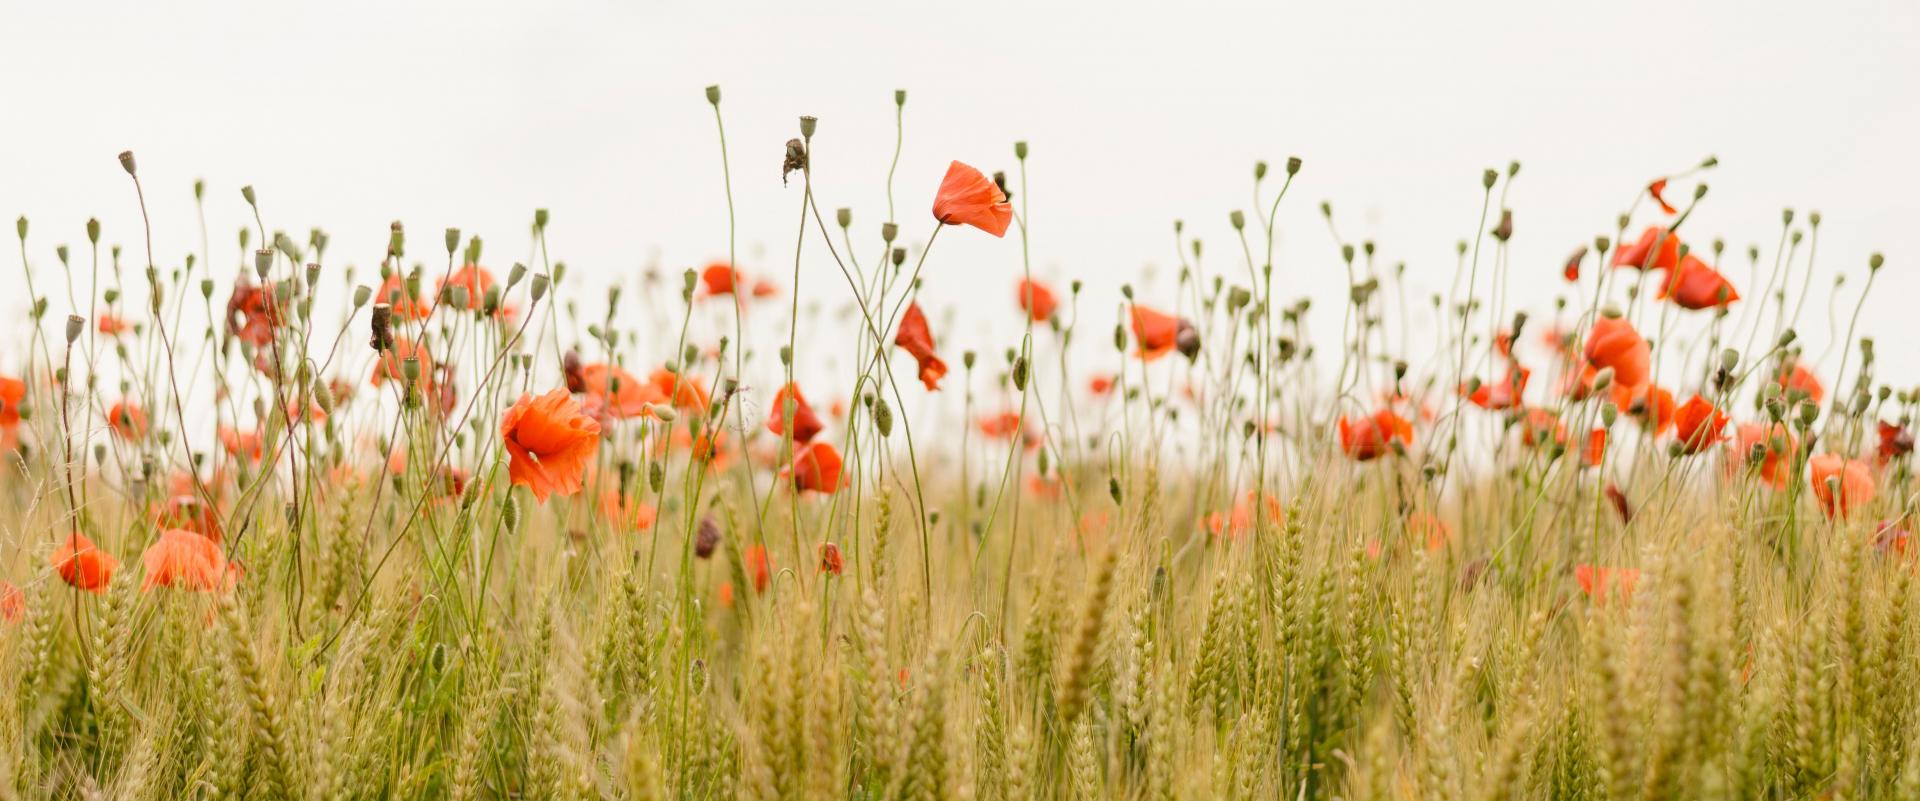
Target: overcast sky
348 115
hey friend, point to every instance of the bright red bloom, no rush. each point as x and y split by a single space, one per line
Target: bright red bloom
618 391
184 560
831 562
405 306
1503 394
1641 256
686 392
1596 449
184 511
1694 285
1368 438
1895 442
1595 581
83 565
1851 477
806 424
1699 425
1157 332
127 421
1613 343
719 278
13 391
916 339
1778 448
1652 404
111 325
1036 300
240 444
251 314
1796 376
13 603
816 467
967 197
625 512
1240 523
757 567
550 441
1656 191
477 281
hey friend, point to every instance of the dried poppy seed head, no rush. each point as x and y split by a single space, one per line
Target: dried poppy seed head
75 324
807 125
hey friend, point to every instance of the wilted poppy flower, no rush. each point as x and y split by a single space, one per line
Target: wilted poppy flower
624 512
1895 442
1502 394
1641 256
110 325
184 560
252 315
1241 521
917 340
1036 300
1795 376
621 394
1595 581
549 442
831 562
1777 445
1613 343
758 567
240 444
1694 285
806 424
127 421
816 467
685 392
967 197
477 280
1158 333
405 305
1657 191
1851 477
13 603
1699 425
1368 438
719 278
83 565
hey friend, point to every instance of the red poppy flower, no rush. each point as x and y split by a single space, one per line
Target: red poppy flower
1657 190
83 565
240 444
1100 384
1699 425
719 278
1641 255
1596 581
549 442
758 568
967 197
184 511
13 392
1778 448
1596 449
1006 425
185 560
477 280
1539 427
831 563
1157 332
763 288
1890 539
916 339
13 603
1613 343
806 424
1240 523
1652 404
1503 394
816 467
251 314
1796 376
1895 442
127 421
618 391
393 364
1694 285
1036 300
686 392
405 306
1368 438
110 325
1850 477
624 512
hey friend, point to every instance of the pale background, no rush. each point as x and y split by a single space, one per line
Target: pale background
348 115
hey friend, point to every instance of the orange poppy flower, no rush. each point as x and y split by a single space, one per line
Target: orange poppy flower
13 603
1796 376
724 592
476 279
1595 581
393 292
763 288
1851 477
251 314
1699 425
1694 285
806 424
917 340
184 560
1240 522
1890 539
1895 442
1156 331
686 392
1641 256
83 565
1430 527
1007 425
967 197
393 364
549 442
816 467
1504 394
240 444
719 278
13 392
624 512
111 325
1044 487
1368 438
127 421
187 512
1100 384
1613 343
1596 449
758 567
1652 404
1571 270
1539 427
622 394
1657 190
1036 300
1779 447
831 563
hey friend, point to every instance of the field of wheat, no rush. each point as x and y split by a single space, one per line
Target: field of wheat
275 527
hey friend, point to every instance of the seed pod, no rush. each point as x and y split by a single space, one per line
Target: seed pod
510 512
656 476
883 417
1019 374
1113 488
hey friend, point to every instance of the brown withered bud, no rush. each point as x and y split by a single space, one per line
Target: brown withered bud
796 159
707 538
382 340
570 367
1186 339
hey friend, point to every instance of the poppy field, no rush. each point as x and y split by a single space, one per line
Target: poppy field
455 524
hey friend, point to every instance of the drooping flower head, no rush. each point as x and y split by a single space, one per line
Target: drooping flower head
1694 285
917 340
967 197
806 424
549 442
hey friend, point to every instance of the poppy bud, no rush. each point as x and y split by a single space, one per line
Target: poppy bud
93 230
1020 373
1113 488
1259 170
707 538
713 94
1873 262
656 476
473 249
540 218
1809 413
1020 150
883 417
517 272
899 98
966 359
1603 379
1120 338
1187 340
1729 359
807 125
1608 414
453 240
20 227
1237 219
1701 191
457 295
1786 338
126 162
510 513
1488 178
559 271
843 216
75 324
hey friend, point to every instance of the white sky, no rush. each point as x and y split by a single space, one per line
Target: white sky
348 115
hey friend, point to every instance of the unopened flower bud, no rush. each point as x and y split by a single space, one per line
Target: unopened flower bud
843 216
888 231
93 230
713 94
1237 219
1488 178
1020 150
